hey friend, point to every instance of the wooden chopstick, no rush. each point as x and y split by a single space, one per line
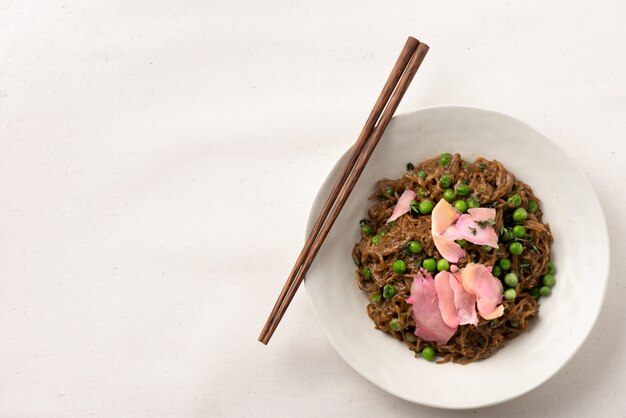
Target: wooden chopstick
403 59
397 84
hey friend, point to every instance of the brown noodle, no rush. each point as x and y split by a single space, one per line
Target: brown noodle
491 184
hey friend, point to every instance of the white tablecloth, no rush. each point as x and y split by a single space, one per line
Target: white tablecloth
157 164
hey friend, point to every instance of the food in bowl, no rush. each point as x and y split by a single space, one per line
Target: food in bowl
454 257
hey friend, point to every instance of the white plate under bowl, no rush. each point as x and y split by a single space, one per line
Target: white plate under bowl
571 208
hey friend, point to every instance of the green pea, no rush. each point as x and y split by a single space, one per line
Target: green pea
422 192
421 174
389 190
428 353
389 291
487 248
409 166
473 203
461 206
545 291
511 279
516 248
395 325
443 265
532 206
510 294
534 292
496 271
461 242
514 200
462 189
549 280
415 247
519 231
376 298
551 268
366 229
426 207
444 159
399 266
430 264
375 239
367 273
519 215
515 324
445 181
410 337
504 263
449 195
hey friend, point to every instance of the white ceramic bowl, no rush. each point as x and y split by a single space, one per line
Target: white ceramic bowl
566 317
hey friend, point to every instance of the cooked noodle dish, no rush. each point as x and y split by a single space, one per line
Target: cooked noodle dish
454 257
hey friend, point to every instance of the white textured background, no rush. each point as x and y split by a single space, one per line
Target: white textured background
157 163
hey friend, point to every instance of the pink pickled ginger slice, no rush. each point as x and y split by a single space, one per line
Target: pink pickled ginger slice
478 280
456 305
465 302
448 249
482 213
475 227
402 206
429 324
443 216
445 294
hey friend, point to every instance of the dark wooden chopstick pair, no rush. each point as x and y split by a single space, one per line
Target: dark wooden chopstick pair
398 82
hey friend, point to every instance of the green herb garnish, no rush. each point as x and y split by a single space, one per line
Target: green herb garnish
483 224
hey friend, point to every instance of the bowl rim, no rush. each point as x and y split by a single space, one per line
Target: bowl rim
326 184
